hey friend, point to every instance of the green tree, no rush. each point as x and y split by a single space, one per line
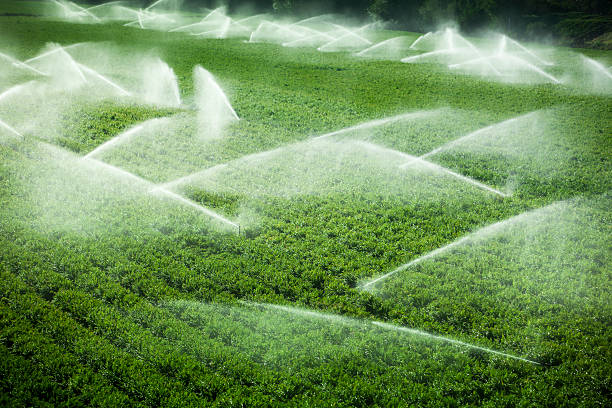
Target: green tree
401 13
282 5
469 14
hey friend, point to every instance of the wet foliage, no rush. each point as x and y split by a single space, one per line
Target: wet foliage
113 296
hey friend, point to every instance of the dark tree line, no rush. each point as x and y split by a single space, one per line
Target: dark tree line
469 14
460 10
521 17
574 21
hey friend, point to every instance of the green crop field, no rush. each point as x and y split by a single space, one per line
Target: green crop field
194 221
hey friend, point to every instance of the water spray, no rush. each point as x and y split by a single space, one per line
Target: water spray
10 129
14 89
421 38
103 79
472 135
419 160
161 190
382 325
122 138
20 64
599 67
449 340
380 122
482 231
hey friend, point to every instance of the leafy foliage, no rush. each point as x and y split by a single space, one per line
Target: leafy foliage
110 296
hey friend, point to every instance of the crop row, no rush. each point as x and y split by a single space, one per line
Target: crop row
130 375
163 346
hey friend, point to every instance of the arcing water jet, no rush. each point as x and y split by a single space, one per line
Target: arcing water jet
388 326
598 67
20 64
165 192
337 319
474 134
476 235
214 109
414 160
10 129
104 79
380 122
117 140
